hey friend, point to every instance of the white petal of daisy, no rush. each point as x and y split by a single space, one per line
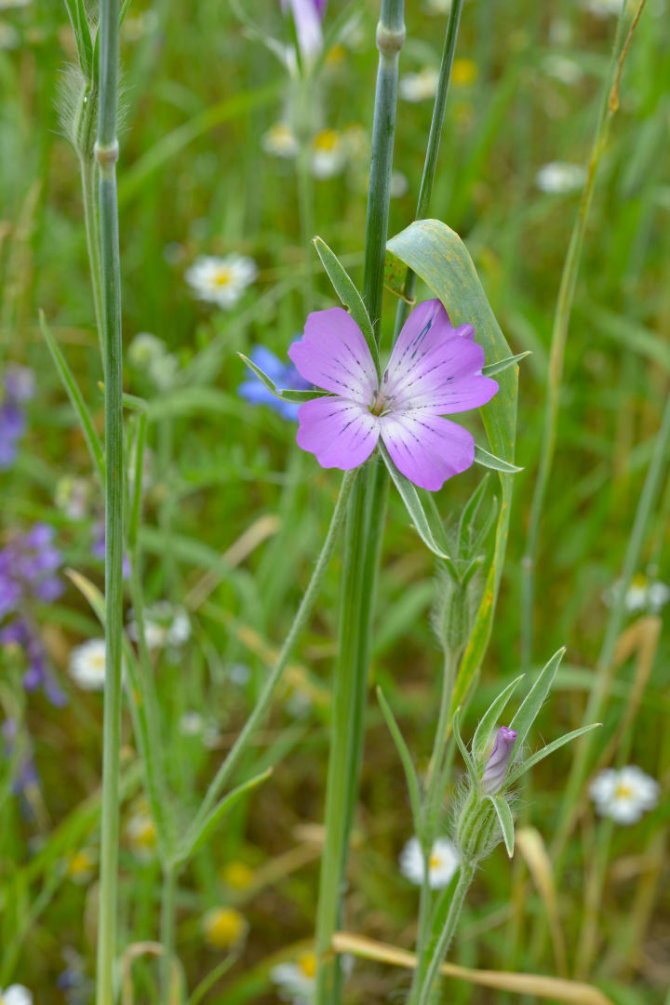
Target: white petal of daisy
280 141
16 994
443 862
624 795
328 154
221 280
87 665
419 86
560 178
296 982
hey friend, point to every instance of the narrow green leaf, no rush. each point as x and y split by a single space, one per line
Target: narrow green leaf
195 839
493 368
77 400
534 759
488 460
82 35
456 726
532 703
347 292
469 516
490 718
506 821
405 757
136 501
439 257
431 536
283 395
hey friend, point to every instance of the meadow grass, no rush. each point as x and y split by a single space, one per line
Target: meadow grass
231 516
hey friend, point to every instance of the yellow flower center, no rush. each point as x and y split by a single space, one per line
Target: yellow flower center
326 141
639 580
623 791
224 926
79 865
222 277
434 862
237 875
307 963
98 662
336 55
463 72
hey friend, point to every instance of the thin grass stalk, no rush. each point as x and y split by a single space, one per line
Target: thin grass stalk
168 904
433 148
106 155
562 316
299 622
89 188
603 671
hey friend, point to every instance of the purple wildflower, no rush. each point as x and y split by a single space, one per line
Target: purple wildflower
25 772
29 564
496 766
18 387
307 17
284 375
434 369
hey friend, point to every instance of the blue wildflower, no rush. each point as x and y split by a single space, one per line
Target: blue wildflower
284 375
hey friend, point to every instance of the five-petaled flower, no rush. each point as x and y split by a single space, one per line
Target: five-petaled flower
434 370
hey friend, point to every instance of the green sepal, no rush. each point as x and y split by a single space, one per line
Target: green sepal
431 535
294 396
488 460
346 290
534 759
491 369
506 821
490 718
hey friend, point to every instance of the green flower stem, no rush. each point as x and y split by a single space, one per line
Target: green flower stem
390 39
106 154
168 904
357 598
88 170
566 295
365 524
425 990
304 610
433 147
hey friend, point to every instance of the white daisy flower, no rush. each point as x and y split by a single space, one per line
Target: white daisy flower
280 141
140 832
73 496
399 185
328 153
191 724
221 281
296 982
87 665
559 177
562 68
604 8
419 86
164 625
624 795
643 594
442 864
16 994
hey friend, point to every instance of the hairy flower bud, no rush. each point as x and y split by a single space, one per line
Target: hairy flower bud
496 766
477 828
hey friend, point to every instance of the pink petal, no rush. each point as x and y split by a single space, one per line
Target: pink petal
427 449
341 433
436 366
333 354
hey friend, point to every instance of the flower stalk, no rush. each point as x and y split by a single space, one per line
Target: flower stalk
365 524
106 155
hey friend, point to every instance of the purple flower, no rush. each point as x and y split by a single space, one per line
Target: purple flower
22 633
496 766
18 387
434 369
28 567
307 17
284 375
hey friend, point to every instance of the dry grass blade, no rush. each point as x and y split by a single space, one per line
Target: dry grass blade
557 988
259 531
532 847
